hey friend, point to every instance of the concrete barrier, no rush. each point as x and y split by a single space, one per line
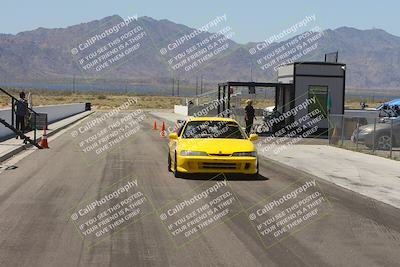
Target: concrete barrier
54 113
58 112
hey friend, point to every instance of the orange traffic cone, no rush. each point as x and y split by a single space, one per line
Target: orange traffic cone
155 125
163 132
43 141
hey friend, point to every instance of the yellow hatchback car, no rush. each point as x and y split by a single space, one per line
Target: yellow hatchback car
212 145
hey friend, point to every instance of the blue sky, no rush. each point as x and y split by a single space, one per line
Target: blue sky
251 20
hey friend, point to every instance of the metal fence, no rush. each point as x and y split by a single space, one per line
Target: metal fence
373 135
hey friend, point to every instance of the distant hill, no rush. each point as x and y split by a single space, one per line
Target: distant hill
372 56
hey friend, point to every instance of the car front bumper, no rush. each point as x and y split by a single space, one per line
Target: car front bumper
217 164
362 138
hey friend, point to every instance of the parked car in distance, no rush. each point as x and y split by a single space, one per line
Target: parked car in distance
384 134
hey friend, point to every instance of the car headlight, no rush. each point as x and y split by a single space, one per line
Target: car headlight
245 154
193 153
365 131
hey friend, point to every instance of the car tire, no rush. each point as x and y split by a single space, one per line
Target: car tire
256 175
383 142
169 162
176 173
258 167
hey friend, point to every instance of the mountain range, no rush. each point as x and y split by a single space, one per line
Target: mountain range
372 56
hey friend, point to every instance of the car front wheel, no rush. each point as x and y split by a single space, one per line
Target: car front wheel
169 162
176 173
384 142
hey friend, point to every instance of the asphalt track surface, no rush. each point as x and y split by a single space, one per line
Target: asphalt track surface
37 196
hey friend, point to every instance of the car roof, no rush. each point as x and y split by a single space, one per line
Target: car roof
211 119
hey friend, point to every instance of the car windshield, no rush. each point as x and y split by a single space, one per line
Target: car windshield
213 129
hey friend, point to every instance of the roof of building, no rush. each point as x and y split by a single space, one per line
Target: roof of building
211 119
314 63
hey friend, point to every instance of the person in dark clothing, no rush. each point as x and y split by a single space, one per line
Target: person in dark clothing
249 115
21 111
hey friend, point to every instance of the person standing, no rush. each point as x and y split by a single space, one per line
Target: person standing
249 115
21 112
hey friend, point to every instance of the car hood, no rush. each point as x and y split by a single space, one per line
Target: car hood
216 145
379 126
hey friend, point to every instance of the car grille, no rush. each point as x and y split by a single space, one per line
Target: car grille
221 155
218 165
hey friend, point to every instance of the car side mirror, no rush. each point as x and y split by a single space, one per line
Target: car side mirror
253 137
173 136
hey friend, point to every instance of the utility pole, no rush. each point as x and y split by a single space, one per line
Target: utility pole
73 84
173 86
177 84
251 71
197 84
201 84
